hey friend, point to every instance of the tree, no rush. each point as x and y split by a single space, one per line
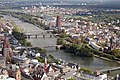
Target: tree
84 51
116 53
71 79
73 48
60 41
19 35
86 70
28 44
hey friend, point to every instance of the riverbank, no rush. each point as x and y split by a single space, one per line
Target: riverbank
106 59
29 18
82 49
97 54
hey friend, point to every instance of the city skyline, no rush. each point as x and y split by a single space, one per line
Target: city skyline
68 0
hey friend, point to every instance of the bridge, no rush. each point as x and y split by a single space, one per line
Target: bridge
40 35
47 46
57 46
110 69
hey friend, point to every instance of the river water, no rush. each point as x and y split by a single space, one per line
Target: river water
93 64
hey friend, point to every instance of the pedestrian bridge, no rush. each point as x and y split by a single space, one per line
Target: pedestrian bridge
110 69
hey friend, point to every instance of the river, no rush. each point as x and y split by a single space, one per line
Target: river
93 64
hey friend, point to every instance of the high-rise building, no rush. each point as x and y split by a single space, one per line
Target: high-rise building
58 21
6 50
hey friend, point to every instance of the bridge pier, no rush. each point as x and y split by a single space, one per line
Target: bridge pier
36 36
43 36
58 46
50 36
28 36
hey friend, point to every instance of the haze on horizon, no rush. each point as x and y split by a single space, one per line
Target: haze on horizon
68 0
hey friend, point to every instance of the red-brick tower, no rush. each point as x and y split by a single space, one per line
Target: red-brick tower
58 21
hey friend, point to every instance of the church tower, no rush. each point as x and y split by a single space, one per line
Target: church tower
6 50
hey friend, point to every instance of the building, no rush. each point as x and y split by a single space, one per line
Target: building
58 21
18 74
6 50
3 74
2 61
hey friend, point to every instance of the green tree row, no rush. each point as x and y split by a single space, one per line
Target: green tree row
115 52
80 50
20 36
26 18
